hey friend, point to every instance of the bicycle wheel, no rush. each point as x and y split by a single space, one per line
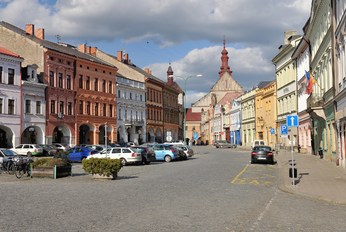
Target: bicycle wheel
19 172
11 168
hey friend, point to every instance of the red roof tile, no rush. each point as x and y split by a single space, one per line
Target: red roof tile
192 116
9 53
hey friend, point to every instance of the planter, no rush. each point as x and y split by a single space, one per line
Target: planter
103 177
52 172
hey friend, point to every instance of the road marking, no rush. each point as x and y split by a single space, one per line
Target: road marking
240 173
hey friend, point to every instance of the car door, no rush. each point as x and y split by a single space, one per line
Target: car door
159 152
115 153
76 155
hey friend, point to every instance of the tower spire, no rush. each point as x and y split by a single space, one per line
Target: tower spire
170 78
224 61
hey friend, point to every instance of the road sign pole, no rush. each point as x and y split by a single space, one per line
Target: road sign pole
292 154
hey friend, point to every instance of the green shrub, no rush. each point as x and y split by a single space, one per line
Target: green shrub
103 166
50 162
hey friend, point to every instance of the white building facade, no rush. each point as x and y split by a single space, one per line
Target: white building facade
235 121
10 98
340 80
33 107
131 117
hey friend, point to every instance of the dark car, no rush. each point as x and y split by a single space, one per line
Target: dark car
6 158
77 154
48 150
224 143
262 154
148 155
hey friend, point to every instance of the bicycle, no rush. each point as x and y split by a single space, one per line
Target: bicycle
7 166
22 166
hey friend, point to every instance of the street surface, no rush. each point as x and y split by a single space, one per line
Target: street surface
216 190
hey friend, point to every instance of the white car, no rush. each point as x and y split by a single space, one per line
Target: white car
28 149
125 154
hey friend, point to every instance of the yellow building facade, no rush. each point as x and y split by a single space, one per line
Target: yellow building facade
265 111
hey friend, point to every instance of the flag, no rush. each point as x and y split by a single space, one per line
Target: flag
310 81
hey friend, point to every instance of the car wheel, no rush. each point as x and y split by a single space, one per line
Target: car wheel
29 154
252 161
147 162
168 158
123 161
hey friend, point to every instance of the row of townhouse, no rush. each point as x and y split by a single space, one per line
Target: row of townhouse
59 93
310 81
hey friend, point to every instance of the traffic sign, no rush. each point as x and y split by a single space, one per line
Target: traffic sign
284 129
292 120
272 131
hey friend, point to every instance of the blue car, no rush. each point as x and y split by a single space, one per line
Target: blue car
167 152
77 154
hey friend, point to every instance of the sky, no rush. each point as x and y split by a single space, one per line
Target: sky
187 34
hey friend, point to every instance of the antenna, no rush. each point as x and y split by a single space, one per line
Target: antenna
58 38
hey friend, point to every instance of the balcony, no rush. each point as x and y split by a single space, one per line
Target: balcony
315 103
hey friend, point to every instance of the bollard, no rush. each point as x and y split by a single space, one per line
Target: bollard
292 171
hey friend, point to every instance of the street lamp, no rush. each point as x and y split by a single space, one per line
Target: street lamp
184 104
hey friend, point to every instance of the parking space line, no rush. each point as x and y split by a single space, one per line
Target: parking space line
239 174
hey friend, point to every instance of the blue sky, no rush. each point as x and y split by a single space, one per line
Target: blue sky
186 33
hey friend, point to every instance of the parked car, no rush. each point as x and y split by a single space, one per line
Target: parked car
125 154
224 143
167 152
48 150
147 154
262 154
77 154
187 149
6 156
28 149
61 147
258 142
131 144
96 147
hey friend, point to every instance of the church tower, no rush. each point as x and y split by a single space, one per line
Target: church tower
224 61
170 79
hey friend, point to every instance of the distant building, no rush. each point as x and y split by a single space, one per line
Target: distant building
211 120
10 98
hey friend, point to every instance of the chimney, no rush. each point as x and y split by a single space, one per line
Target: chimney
126 58
120 56
93 51
82 48
40 33
287 35
29 29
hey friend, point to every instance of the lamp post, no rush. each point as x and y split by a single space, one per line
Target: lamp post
184 104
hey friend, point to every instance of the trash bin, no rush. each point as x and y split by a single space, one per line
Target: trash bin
295 173
320 152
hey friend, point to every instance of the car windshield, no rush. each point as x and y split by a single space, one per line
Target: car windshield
8 152
262 149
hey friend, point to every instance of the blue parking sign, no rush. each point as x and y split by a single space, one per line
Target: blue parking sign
284 129
272 131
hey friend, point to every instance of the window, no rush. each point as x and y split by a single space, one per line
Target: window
69 108
10 106
96 84
119 115
38 107
88 108
11 76
51 78
87 83
130 96
52 107
104 110
125 116
110 110
61 107
68 81
96 109
104 86
81 107
60 85
140 97
119 93
27 106
110 87
1 105
1 74
80 81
